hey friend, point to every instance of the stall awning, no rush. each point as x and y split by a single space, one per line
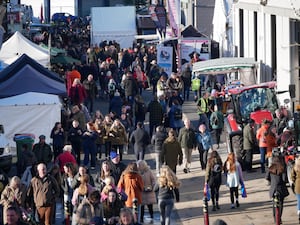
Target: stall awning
223 65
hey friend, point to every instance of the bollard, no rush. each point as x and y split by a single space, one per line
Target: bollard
205 211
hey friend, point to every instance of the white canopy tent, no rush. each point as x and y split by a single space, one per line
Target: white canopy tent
29 113
17 45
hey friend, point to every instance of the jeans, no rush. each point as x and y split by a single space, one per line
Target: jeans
165 208
262 151
298 202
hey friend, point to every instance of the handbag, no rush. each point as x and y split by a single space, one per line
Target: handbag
243 191
207 191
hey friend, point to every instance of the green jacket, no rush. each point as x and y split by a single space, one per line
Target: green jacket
187 138
171 153
248 137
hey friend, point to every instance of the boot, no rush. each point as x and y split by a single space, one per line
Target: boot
214 208
217 205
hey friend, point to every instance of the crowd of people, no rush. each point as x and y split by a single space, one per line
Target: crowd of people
119 193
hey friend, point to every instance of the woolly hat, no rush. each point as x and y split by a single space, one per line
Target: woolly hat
113 154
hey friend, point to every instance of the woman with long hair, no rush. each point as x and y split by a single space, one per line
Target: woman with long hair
118 136
105 172
148 195
58 137
277 177
233 170
67 179
213 177
132 184
80 193
166 184
295 177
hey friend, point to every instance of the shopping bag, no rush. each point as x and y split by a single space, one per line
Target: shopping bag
207 191
243 191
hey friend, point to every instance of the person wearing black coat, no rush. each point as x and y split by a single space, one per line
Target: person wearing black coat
157 140
130 87
74 136
155 114
277 176
140 139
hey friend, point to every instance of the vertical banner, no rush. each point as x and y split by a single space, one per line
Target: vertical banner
173 12
165 58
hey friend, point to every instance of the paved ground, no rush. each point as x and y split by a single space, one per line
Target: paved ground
255 209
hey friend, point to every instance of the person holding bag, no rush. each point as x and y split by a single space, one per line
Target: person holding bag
166 184
233 171
213 177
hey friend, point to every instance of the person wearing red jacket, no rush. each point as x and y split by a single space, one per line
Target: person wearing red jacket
77 93
65 157
261 136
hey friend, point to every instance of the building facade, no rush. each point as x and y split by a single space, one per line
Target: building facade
269 31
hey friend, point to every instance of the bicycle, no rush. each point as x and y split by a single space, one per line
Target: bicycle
277 208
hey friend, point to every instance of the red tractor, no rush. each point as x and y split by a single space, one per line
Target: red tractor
257 102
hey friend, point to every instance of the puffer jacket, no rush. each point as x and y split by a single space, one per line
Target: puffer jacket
43 190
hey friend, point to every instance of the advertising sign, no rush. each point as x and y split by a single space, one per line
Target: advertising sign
165 58
189 47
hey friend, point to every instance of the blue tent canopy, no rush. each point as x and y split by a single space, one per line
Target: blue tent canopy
26 75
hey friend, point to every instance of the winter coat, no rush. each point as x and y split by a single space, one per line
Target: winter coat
295 177
74 135
213 174
115 105
261 135
11 197
171 153
130 86
90 88
89 140
278 183
77 94
187 138
164 192
64 158
248 137
204 140
155 112
174 123
119 136
133 185
58 138
43 191
148 195
43 153
140 139
157 140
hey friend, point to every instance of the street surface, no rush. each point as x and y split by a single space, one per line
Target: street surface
256 209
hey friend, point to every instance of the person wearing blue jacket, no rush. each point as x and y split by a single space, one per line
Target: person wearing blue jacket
204 143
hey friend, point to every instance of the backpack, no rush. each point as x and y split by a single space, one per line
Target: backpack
177 114
111 87
215 121
85 212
